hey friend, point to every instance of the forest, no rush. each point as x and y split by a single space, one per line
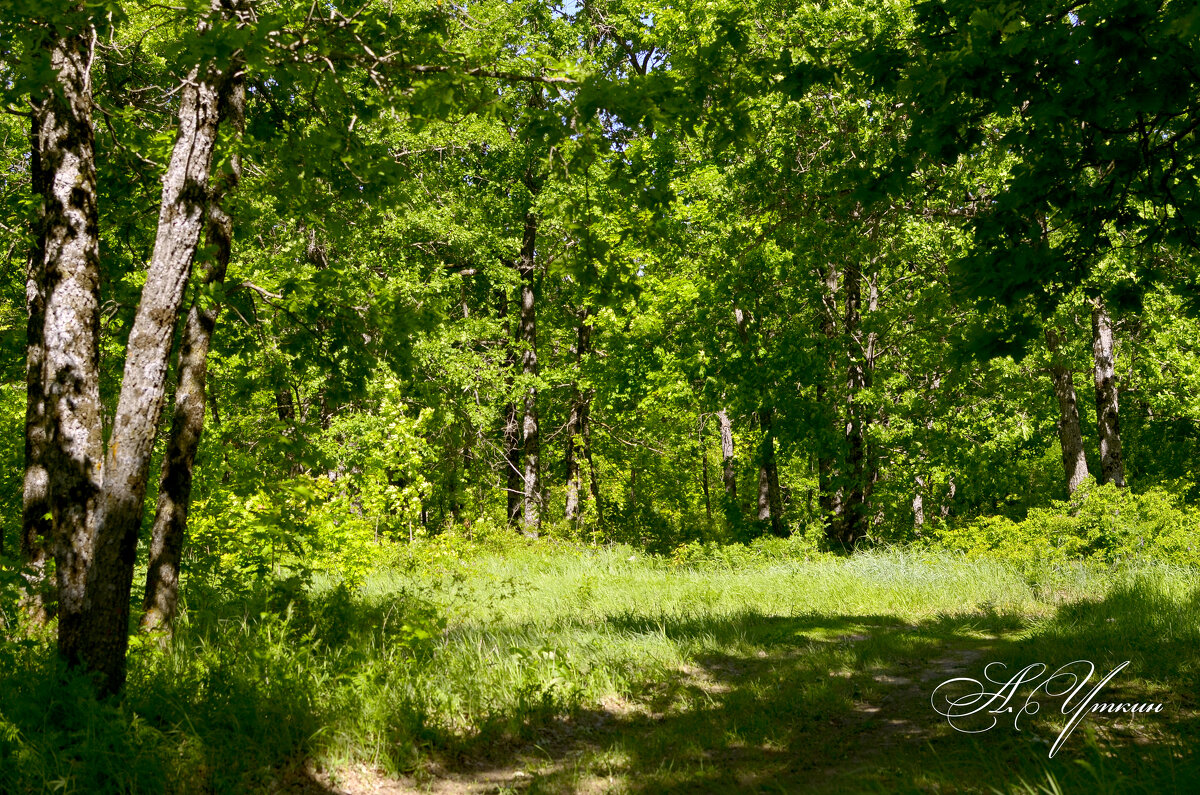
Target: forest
491 396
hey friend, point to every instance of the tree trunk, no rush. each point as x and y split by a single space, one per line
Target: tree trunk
577 424
770 505
104 634
527 268
593 478
69 334
704 475
285 407
830 498
175 484
1070 437
855 525
728 465
764 503
514 487
514 480
918 505
1112 463
951 490
36 529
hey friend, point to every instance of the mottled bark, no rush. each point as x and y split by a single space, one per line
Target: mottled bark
36 529
70 270
187 422
770 504
918 504
728 465
1070 437
527 268
514 486
704 474
763 504
104 635
285 407
514 480
1112 463
577 423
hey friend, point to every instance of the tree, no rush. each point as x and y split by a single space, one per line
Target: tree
1070 438
187 423
1096 103
97 489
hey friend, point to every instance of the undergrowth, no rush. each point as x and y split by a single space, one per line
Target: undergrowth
459 649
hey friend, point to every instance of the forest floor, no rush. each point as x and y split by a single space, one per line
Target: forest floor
551 668
815 677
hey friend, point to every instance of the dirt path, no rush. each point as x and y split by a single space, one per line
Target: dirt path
887 714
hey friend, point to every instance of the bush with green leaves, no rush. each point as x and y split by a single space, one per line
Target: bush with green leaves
711 555
1100 523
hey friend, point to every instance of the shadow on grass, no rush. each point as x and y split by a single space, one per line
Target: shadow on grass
841 703
250 689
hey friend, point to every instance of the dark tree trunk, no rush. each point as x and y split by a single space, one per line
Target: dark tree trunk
452 504
285 407
36 529
593 478
527 268
577 425
187 423
1070 437
770 505
1112 463
104 633
830 494
857 476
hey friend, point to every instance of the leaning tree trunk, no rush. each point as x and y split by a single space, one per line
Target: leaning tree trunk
175 484
104 634
577 425
1070 437
68 337
527 268
1112 463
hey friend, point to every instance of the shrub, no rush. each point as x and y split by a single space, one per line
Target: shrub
1100 523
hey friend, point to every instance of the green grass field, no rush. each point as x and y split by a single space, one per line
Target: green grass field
549 668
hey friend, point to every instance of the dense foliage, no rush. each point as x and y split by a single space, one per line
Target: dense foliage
724 283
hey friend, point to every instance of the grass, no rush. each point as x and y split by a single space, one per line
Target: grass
550 668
